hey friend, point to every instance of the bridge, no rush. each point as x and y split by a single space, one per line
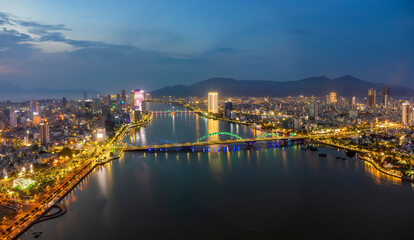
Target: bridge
172 112
164 144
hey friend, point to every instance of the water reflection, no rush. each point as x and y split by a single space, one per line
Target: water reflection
379 177
185 195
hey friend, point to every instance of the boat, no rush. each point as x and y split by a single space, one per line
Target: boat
322 155
338 157
37 234
343 158
314 149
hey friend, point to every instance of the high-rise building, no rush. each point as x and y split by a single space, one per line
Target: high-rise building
88 108
313 111
372 98
44 133
385 96
85 95
132 98
405 112
228 107
332 97
139 97
64 102
36 119
353 100
13 118
213 102
123 96
134 115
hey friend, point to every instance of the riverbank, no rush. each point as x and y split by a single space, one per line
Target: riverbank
84 172
390 172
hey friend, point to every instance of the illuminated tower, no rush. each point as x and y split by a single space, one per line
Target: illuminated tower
137 98
132 98
405 113
36 119
332 97
213 102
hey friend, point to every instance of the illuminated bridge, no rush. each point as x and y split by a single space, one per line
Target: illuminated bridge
173 112
271 138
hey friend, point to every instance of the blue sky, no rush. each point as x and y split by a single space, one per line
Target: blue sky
114 45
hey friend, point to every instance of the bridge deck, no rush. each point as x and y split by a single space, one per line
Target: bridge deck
195 144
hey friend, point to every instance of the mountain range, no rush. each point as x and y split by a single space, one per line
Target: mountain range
317 86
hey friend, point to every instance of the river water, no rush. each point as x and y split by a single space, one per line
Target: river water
269 192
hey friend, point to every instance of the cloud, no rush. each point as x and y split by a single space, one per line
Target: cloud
45 37
53 46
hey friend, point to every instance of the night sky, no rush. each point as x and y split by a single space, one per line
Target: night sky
114 45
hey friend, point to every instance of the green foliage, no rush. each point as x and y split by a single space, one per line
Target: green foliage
66 152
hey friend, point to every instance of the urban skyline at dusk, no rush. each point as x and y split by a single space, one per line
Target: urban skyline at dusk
76 45
206 119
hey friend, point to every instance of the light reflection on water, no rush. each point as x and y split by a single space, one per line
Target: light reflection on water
280 192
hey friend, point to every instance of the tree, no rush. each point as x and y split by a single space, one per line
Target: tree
66 152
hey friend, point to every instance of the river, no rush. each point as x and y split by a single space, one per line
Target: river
248 193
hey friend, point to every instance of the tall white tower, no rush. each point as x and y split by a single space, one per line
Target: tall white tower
213 102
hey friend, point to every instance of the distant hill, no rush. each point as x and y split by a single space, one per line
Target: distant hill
317 86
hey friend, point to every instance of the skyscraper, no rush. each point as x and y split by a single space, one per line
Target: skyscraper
405 113
213 102
228 107
332 97
44 133
139 97
353 100
64 102
88 108
85 95
313 111
36 119
132 98
13 118
372 98
123 96
385 96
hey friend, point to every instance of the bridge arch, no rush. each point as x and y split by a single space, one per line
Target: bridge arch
267 135
218 133
163 141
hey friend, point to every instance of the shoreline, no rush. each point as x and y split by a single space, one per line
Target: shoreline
373 163
83 175
75 182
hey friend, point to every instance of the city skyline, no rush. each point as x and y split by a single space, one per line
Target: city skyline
171 45
206 119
